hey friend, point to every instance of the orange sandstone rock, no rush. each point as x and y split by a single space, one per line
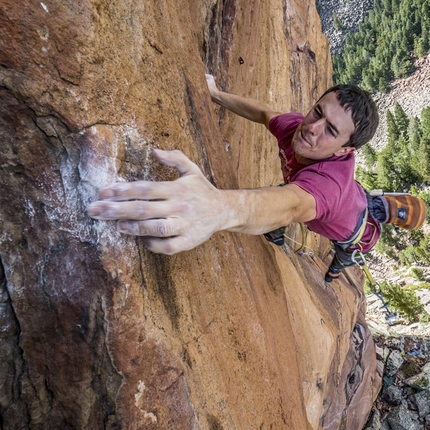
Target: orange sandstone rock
97 332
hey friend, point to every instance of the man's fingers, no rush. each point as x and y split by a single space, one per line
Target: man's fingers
145 190
178 160
161 236
153 227
169 246
136 210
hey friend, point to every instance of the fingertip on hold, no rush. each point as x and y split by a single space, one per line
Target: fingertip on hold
123 227
157 152
106 193
128 227
93 210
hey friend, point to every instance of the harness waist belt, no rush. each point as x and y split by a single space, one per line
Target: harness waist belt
358 232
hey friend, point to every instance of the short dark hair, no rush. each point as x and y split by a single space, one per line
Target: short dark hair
363 110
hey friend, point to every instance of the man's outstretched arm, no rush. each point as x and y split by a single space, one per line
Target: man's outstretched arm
248 108
179 215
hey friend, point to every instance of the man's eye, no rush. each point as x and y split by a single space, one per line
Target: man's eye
330 130
317 113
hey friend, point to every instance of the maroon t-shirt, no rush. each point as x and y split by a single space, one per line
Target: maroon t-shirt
339 198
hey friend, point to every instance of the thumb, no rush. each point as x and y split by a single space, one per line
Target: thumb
178 160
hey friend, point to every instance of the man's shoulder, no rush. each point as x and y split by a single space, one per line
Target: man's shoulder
288 117
343 165
282 125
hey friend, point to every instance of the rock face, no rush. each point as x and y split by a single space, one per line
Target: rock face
97 332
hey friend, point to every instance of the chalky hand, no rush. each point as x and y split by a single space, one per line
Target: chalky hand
173 216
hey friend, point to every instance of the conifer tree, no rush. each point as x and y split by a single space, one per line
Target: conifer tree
402 121
392 128
425 122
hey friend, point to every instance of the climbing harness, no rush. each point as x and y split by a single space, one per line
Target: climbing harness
399 209
358 233
358 258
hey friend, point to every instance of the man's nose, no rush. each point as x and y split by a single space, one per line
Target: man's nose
315 126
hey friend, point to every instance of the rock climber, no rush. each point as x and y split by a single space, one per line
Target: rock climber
317 161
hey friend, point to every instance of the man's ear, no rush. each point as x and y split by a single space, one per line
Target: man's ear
345 150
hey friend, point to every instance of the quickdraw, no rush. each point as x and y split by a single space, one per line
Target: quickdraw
358 258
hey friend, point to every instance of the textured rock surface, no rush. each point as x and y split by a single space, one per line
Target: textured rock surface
96 332
403 402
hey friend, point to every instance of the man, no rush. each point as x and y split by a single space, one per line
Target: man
317 155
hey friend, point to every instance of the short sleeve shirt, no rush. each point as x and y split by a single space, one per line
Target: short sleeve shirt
339 198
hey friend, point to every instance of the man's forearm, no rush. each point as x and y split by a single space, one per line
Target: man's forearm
262 210
248 108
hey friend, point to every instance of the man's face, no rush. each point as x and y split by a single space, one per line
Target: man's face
323 132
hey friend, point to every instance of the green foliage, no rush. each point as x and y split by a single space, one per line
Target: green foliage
412 287
425 195
418 274
422 382
384 46
367 289
424 318
425 121
383 85
370 157
366 178
402 300
402 121
416 254
410 368
391 242
337 22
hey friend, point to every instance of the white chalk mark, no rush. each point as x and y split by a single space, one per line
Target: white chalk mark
140 389
44 7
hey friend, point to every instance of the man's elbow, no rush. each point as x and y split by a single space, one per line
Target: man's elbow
304 208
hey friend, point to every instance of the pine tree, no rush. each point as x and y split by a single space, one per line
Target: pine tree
337 22
392 128
402 121
414 134
370 157
383 85
425 122
423 160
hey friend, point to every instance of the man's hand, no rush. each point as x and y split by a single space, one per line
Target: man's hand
213 89
173 216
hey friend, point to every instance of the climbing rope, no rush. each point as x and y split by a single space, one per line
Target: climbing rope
358 258
301 244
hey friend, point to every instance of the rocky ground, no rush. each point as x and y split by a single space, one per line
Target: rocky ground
403 350
404 400
350 14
